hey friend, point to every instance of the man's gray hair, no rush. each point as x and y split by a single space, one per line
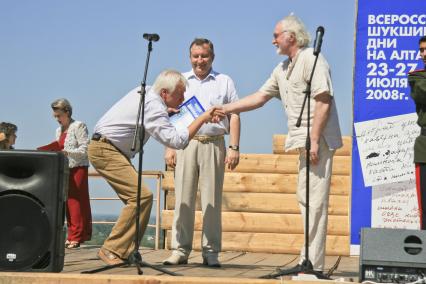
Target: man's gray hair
294 25
62 105
169 79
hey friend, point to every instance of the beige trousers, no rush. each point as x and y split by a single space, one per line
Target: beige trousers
319 189
199 165
123 178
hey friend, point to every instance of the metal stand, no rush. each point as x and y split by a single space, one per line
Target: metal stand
135 257
306 266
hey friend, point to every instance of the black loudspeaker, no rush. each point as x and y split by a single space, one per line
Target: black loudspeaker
33 190
392 255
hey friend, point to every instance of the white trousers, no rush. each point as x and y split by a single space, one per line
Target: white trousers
319 189
199 165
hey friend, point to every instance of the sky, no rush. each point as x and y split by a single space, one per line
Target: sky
93 53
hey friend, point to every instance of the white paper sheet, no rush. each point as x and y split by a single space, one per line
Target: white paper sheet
386 148
189 111
395 206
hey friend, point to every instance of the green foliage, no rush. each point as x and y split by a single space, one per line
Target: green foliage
101 231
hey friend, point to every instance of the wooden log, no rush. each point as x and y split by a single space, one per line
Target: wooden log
270 242
145 174
284 164
267 203
67 278
266 183
278 142
262 223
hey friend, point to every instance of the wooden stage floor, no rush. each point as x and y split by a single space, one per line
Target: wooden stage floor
237 267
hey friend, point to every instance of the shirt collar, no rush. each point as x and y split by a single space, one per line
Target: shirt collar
297 54
153 96
292 63
212 74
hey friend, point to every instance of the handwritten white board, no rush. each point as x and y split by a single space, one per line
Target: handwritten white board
395 206
386 148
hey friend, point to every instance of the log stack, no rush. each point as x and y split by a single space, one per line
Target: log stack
260 209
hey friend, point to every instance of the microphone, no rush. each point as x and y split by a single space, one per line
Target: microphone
151 37
318 40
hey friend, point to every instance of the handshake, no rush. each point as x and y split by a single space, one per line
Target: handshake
214 114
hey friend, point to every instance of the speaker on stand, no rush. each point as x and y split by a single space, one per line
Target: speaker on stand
33 191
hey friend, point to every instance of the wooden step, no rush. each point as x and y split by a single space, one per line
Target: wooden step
278 142
270 242
284 164
265 183
262 223
266 203
125 277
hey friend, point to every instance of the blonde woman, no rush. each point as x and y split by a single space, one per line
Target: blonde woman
73 138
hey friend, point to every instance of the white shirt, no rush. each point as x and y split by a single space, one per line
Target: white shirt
288 83
216 89
118 124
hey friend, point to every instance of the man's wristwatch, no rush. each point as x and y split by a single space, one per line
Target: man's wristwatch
234 147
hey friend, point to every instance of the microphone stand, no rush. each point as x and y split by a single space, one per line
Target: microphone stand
306 266
135 257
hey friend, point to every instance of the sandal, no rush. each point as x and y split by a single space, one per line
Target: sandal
72 245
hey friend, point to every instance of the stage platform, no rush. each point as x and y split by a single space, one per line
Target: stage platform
237 267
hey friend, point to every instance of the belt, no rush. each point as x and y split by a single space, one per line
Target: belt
101 138
207 139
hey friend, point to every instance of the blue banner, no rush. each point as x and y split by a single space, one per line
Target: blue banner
387 35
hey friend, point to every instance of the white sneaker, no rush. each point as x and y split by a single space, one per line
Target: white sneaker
176 259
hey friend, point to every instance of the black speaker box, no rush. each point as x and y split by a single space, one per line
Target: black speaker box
33 191
392 255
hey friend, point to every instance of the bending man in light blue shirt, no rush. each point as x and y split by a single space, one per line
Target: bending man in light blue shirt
110 153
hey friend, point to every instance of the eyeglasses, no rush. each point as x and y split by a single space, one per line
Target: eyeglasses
422 49
276 35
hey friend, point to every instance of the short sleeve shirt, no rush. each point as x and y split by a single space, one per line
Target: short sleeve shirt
288 82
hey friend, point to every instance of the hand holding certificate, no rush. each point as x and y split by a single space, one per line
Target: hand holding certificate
191 110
